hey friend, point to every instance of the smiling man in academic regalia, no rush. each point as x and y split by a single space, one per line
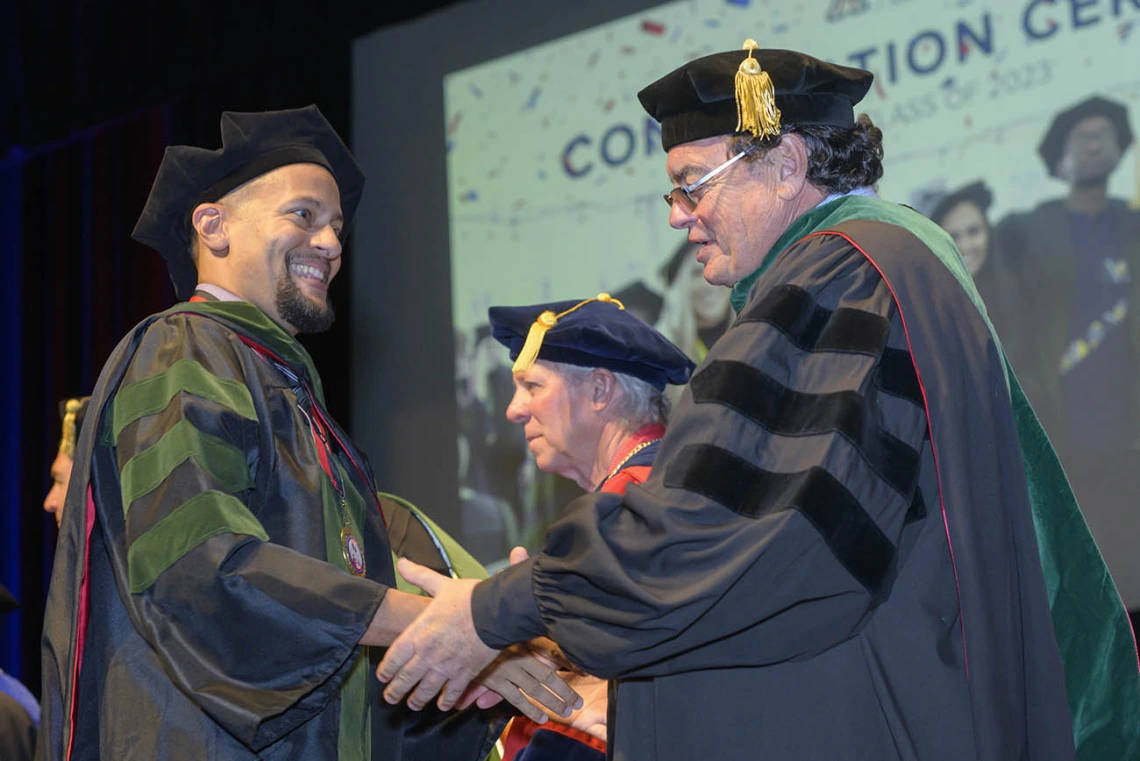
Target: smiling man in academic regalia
223 576
842 552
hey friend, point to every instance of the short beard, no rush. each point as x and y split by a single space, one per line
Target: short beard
304 314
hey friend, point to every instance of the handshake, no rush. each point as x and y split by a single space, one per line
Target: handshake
441 654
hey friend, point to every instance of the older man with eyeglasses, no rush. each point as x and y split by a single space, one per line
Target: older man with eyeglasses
856 542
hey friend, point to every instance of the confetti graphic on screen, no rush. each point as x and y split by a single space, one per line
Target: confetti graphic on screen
555 174
551 145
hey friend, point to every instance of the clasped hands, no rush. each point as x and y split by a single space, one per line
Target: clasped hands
440 653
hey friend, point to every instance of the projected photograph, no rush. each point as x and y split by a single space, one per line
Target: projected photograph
1008 123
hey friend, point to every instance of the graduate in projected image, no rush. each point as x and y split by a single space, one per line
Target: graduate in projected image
1077 261
963 213
1080 257
695 313
488 521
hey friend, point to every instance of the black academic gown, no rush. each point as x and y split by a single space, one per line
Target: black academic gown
835 556
1038 248
195 610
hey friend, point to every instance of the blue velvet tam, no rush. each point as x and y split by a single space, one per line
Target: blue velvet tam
597 333
253 144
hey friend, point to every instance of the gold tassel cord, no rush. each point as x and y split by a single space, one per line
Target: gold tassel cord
756 110
533 343
545 321
67 438
603 297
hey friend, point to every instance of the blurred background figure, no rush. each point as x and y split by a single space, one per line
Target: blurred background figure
1076 259
963 213
694 314
19 710
72 412
497 448
641 301
488 521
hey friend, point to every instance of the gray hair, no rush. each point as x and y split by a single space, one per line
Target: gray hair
639 403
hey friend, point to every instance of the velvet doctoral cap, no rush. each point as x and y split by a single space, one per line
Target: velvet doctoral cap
253 144
599 333
1052 146
698 100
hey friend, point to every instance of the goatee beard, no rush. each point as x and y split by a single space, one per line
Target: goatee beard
304 314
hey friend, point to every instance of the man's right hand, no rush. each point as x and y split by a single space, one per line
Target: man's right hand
441 650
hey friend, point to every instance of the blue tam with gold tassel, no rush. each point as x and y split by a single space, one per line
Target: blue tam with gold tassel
596 332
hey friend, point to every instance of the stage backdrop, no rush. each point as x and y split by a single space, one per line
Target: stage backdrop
554 177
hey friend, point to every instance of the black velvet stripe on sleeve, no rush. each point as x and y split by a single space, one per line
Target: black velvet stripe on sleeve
811 327
898 377
784 411
917 510
850 533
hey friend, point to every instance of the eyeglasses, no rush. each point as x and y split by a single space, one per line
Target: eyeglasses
684 194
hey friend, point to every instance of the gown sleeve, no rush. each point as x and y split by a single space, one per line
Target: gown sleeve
770 525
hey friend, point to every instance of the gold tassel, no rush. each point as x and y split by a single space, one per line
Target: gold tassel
67 439
533 343
547 320
756 110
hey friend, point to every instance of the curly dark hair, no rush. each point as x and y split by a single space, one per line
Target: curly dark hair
839 160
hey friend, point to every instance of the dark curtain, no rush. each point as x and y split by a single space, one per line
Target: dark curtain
73 284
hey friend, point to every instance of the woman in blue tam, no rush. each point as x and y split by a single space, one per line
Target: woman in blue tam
590 383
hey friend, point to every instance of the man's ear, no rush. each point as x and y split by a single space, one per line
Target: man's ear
789 159
602 387
209 222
